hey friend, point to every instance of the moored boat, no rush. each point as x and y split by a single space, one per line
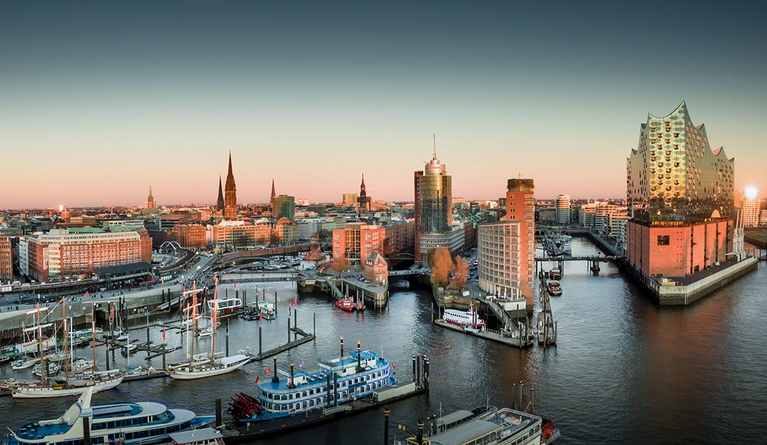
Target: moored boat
555 274
346 304
554 288
226 307
266 310
468 319
58 387
122 422
337 381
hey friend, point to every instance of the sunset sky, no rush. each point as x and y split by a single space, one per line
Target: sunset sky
98 99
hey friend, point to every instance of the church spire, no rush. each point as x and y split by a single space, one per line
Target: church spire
230 194
362 186
435 145
220 201
272 196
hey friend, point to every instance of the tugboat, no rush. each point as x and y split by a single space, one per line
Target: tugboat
123 422
347 304
338 381
554 289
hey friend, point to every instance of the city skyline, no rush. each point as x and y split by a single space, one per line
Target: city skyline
110 99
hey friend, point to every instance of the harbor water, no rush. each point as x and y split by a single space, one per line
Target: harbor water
624 370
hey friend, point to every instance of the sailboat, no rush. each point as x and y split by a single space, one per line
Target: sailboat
78 383
202 367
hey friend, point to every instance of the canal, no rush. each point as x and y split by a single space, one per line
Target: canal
625 370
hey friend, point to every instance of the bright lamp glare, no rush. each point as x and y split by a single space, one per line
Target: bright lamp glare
751 192
61 208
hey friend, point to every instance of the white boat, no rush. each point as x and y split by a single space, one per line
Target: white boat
193 370
81 364
33 346
128 349
24 363
98 381
468 319
210 368
226 307
266 310
128 423
53 369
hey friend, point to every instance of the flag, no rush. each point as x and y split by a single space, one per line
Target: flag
393 367
112 312
163 335
259 319
258 380
268 370
86 294
294 301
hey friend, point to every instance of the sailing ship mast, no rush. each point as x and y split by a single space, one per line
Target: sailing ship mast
213 320
67 341
93 334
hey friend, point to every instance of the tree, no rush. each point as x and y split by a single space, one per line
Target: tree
441 266
461 273
314 255
340 263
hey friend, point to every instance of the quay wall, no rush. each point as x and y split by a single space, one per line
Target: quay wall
672 295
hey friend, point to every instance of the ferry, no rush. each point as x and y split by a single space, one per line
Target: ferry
554 288
123 422
226 308
487 425
347 304
338 381
468 319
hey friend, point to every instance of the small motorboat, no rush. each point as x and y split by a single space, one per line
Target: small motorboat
554 288
128 349
346 304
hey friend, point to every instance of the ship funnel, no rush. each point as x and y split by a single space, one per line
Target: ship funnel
275 379
342 346
359 357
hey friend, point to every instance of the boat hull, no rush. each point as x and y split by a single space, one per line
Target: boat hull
51 392
181 374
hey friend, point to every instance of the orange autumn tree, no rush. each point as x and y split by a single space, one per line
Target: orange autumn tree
460 273
441 266
340 263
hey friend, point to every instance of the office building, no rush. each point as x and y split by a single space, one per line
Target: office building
189 235
434 210
6 259
356 240
563 210
284 206
502 263
239 235
349 200
750 207
520 206
66 252
286 231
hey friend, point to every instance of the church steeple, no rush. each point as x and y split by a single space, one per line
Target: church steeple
362 186
230 194
150 204
220 201
273 195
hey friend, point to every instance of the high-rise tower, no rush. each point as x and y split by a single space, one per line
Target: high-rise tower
230 194
220 201
433 209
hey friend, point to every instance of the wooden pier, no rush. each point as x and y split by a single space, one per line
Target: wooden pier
305 338
487 334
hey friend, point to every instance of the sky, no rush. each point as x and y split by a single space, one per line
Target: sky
98 99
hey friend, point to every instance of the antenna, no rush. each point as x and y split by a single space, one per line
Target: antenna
435 145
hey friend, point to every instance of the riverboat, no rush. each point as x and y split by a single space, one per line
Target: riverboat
337 381
123 422
554 288
467 319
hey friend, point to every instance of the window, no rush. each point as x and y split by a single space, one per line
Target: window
664 240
